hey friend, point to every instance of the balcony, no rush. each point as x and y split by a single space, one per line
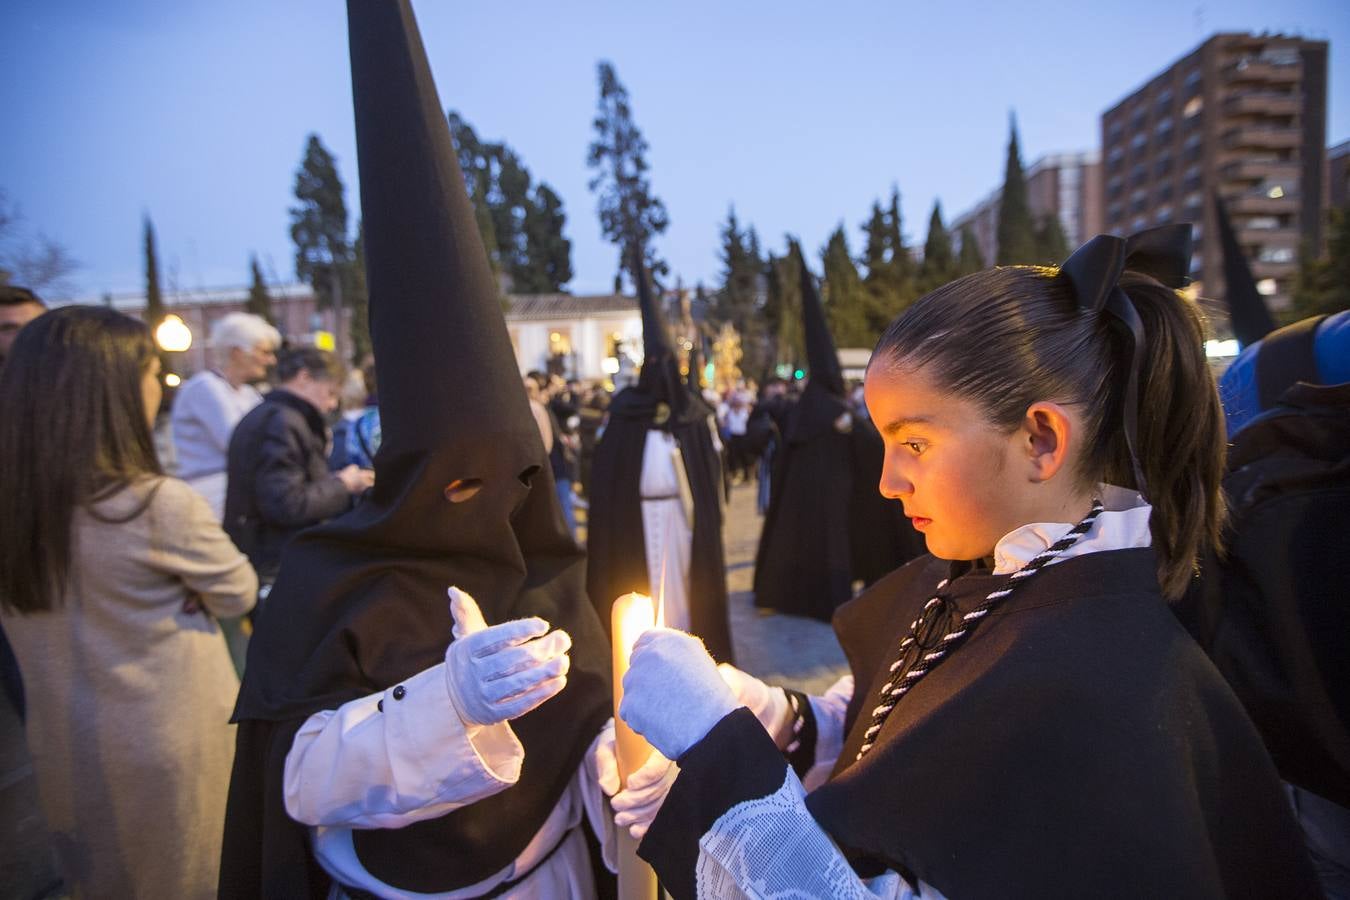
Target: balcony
1258 204
1254 137
1247 168
1263 103
1261 70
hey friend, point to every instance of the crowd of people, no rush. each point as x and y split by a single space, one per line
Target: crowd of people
1112 668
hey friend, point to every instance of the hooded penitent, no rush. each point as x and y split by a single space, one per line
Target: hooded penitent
827 525
1247 312
615 543
463 496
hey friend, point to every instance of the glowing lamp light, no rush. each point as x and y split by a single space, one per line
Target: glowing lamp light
172 380
173 335
799 374
1221 349
1275 193
610 365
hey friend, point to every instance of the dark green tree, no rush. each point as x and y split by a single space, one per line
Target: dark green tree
548 253
630 214
903 270
475 161
259 301
970 259
319 224
1322 284
740 300
939 264
877 248
847 303
154 298
1052 244
783 309
1016 229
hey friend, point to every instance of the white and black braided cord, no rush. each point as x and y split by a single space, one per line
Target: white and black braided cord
902 678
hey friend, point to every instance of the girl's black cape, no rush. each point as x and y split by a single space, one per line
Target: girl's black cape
1079 744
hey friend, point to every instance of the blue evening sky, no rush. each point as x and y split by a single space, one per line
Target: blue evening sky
799 114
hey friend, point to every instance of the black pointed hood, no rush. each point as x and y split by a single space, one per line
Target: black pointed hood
463 495
660 377
1246 310
822 358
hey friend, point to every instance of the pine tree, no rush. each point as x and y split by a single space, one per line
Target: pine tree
549 254
739 301
878 247
1052 244
630 214
970 259
1016 229
259 301
902 262
847 304
154 300
939 265
319 223
783 308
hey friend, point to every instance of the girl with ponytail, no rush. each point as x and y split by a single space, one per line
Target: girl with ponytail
1024 716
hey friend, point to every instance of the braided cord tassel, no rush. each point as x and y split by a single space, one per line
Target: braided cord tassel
903 678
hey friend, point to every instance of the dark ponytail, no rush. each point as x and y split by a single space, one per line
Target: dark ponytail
1182 441
1008 337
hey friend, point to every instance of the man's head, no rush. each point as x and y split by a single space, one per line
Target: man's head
312 375
18 307
245 345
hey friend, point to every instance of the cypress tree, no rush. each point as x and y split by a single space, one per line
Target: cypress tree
360 297
846 300
319 223
630 214
1016 229
1052 245
154 299
939 265
259 301
878 247
970 260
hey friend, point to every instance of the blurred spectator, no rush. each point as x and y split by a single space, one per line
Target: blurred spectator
356 438
111 576
18 307
211 403
279 482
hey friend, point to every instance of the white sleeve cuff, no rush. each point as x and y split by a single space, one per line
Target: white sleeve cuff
830 711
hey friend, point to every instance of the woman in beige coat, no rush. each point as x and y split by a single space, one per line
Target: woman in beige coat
112 577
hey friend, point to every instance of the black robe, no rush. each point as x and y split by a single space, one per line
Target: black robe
827 524
1079 744
615 543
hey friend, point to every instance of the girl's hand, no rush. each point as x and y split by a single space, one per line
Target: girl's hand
636 806
673 694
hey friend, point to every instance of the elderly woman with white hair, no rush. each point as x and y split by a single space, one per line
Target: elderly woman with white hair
211 403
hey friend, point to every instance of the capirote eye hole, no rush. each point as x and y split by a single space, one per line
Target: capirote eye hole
528 474
462 489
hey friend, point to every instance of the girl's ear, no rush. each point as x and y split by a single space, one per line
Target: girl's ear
1048 431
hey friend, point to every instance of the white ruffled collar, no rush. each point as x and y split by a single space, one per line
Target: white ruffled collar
1122 525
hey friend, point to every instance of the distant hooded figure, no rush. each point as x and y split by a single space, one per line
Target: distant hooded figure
369 755
656 518
827 524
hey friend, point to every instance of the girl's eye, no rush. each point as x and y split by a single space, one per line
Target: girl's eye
916 447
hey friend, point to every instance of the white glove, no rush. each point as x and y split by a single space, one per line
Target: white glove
637 804
603 761
769 704
500 672
672 694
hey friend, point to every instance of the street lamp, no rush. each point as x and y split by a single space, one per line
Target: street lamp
173 335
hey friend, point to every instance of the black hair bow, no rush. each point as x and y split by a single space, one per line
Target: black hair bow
1094 271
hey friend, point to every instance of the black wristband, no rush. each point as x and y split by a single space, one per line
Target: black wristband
801 749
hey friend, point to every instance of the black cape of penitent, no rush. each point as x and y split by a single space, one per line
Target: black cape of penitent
615 542
827 524
359 604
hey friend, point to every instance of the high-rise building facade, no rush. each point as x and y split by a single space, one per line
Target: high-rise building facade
1242 117
1065 184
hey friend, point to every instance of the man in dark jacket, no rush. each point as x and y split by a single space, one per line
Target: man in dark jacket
279 481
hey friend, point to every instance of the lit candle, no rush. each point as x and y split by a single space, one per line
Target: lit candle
631 615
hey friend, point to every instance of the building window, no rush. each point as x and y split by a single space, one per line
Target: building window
1164 100
1164 193
1164 128
1267 287
1164 214
1139 141
1263 223
1275 255
1193 107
